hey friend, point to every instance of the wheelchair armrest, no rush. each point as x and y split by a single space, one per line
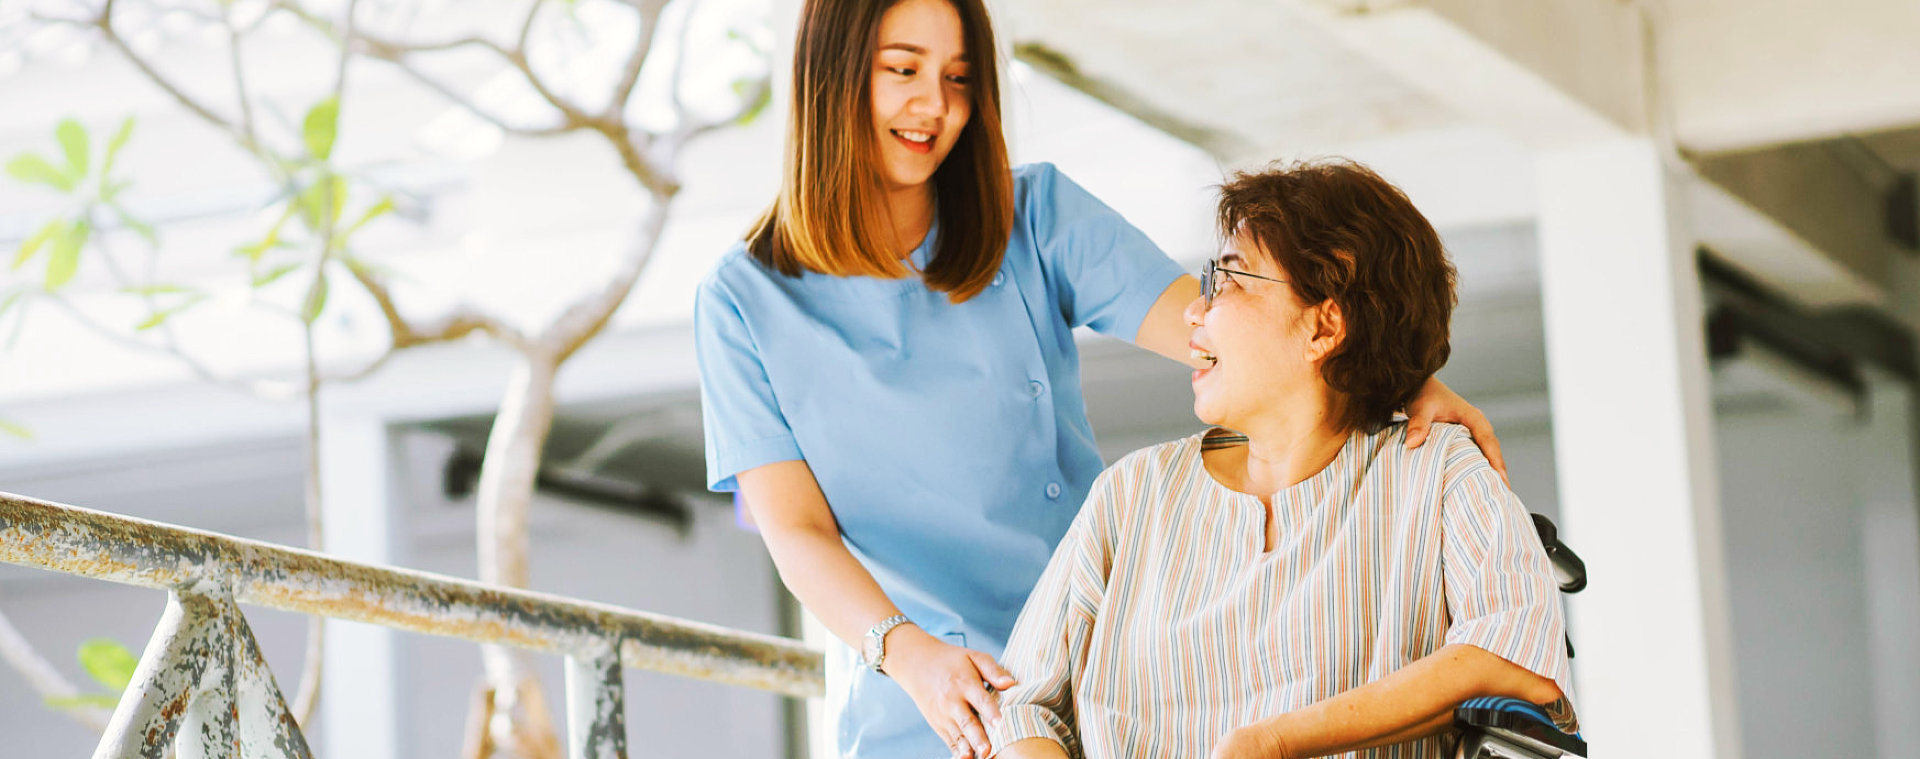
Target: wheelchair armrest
1517 722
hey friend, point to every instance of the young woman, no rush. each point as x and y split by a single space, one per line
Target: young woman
888 372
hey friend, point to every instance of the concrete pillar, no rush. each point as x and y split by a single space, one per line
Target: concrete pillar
362 706
1885 471
1634 453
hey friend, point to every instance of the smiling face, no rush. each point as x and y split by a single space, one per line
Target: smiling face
921 94
1264 344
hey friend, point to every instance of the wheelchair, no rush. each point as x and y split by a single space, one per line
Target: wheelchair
1510 728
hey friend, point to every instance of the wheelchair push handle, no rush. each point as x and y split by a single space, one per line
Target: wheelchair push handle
1568 569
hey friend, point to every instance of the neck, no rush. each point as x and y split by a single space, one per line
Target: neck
1284 448
911 211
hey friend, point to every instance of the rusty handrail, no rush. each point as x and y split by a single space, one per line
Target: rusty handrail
133 551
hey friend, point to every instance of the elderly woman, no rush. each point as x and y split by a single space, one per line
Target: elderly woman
1294 582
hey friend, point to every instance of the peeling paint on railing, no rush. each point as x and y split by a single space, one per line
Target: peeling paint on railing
210 570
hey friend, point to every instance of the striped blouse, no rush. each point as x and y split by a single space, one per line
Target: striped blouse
1162 623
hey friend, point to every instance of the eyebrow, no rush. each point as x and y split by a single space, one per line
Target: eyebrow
1233 258
916 49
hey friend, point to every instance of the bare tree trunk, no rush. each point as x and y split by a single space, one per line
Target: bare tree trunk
308 696
523 724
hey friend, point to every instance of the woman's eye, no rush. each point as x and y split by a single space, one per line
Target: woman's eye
960 79
901 70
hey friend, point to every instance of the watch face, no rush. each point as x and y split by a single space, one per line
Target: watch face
870 648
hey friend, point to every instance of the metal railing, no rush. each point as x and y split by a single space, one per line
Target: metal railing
202 677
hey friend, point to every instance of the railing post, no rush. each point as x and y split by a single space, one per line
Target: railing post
257 694
176 658
212 723
596 704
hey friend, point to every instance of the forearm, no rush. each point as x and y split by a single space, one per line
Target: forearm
1413 702
1032 748
829 582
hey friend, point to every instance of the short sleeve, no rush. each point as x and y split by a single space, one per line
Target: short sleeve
1104 271
744 426
1501 593
1048 650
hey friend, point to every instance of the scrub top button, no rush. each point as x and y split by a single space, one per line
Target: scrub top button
1036 387
1053 490
998 278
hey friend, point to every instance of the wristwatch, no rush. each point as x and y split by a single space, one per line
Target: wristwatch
874 647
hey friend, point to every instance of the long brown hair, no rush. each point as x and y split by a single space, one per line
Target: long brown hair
831 214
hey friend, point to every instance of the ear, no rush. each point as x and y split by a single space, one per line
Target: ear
1329 330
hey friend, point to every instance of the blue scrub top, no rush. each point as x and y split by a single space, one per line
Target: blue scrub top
951 440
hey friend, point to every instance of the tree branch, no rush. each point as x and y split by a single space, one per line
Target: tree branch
397 54
104 22
44 678
650 12
462 322
587 317
239 74
170 349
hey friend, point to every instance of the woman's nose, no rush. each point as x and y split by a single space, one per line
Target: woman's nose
931 100
1196 312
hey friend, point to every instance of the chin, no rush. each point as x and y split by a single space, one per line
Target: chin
1207 415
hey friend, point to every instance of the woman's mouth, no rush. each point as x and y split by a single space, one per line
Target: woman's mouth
1199 354
918 142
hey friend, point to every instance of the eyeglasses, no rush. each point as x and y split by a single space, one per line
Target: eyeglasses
1210 279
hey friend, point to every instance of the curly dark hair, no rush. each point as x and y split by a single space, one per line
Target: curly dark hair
1342 233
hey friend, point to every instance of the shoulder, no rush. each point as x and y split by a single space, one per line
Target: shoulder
1147 469
1042 187
735 279
731 270
1449 452
1139 481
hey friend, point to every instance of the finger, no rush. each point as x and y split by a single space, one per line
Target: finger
1419 423
993 672
1482 432
986 703
976 736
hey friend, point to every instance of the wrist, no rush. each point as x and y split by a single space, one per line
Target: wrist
1268 737
887 647
904 644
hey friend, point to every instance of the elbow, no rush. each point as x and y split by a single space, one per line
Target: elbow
1495 676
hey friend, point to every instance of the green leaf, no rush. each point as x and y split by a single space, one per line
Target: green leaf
162 315
316 299
253 251
32 244
314 198
157 289
382 208
73 140
759 105
110 663
127 220
65 259
322 125
113 147
110 191
15 429
6 303
30 167
271 275
89 701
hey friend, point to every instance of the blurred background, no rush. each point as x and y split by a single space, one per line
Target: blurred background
1686 232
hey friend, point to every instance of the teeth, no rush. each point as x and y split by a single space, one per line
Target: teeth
915 136
1201 355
